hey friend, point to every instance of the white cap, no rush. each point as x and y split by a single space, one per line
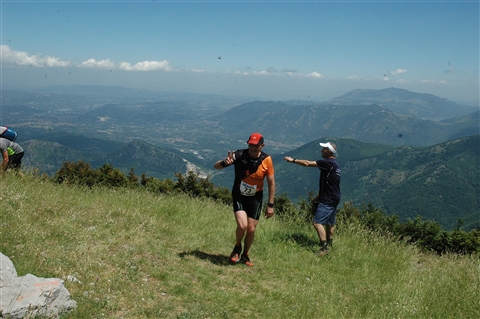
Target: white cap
330 147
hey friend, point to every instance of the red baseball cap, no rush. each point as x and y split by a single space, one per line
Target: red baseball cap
255 139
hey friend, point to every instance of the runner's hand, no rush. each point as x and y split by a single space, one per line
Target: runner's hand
229 159
269 212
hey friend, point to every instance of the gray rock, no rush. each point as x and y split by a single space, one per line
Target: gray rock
31 296
7 270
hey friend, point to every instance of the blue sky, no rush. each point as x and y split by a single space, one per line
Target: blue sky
274 50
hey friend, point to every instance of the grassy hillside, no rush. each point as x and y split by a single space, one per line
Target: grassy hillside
140 255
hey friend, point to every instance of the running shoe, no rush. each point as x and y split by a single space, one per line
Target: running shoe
246 260
323 252
234 256
330 242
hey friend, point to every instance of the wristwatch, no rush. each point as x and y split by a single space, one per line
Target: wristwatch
271 205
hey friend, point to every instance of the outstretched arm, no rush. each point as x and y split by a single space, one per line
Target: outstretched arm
301 162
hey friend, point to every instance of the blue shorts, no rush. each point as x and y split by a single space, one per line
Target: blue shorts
325 215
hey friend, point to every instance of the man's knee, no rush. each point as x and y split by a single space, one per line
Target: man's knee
251 229
242 226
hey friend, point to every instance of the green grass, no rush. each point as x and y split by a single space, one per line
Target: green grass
139 255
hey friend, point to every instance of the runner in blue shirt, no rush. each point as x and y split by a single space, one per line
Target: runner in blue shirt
328 196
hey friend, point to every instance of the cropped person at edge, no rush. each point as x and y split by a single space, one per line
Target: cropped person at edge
328 196
12 154
252 166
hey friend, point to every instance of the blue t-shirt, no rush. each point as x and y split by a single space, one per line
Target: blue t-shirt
329 182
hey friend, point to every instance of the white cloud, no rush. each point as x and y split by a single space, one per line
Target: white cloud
126 66
260 72
146 66
315 75
10 56
385 79
53 62
92 63
397 72
449 70
433 81
198 71
352 77
284 73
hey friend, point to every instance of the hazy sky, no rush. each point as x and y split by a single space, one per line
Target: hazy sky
274 50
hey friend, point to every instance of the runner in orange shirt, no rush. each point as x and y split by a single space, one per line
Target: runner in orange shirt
252 166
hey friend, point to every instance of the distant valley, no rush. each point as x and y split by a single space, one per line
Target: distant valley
387 140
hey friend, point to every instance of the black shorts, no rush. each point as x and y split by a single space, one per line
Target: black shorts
252 205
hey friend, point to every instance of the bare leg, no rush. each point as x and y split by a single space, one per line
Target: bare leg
322 235
252 225
242 223
330 231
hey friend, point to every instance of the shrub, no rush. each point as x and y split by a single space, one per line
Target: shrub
426 234
287 211
79 173
111 177
194 186
154 185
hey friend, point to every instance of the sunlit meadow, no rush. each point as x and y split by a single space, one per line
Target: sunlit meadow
127 253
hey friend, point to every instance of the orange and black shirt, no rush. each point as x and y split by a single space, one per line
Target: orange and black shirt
251 172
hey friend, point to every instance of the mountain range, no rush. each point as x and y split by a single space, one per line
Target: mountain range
369 123
421 105
387 140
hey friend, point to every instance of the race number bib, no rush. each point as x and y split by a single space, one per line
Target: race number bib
247 190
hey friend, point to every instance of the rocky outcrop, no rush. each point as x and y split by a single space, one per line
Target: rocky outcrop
31 296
